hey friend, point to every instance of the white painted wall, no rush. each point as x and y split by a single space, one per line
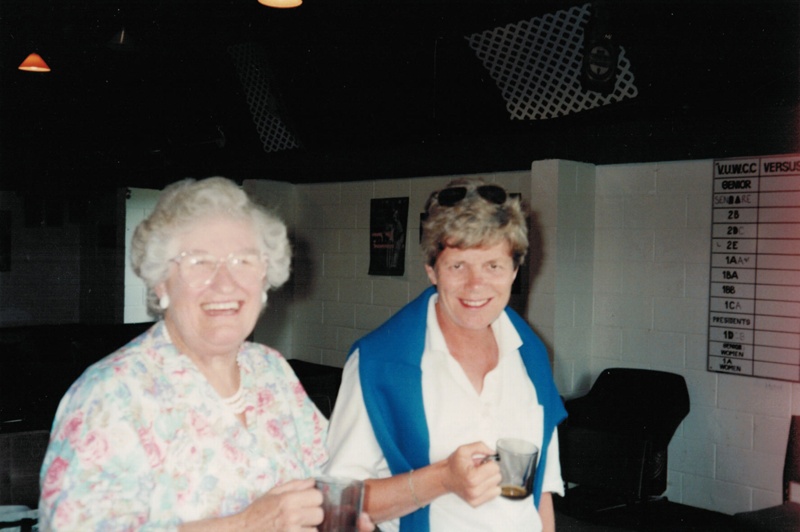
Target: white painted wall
276 325
651 289
139 204
562 199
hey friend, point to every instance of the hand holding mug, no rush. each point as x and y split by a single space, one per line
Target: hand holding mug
342 500
291 506
469 477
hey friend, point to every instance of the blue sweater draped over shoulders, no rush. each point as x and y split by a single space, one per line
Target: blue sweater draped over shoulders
391 382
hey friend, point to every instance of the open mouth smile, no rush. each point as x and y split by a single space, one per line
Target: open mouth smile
222 306
474 303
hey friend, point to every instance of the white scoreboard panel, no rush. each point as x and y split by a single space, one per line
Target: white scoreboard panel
754 306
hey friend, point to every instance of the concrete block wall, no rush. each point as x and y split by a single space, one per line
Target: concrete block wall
275 324
562 200
335 300
623 281
651 289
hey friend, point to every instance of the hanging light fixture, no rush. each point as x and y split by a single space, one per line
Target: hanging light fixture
280 3
34 63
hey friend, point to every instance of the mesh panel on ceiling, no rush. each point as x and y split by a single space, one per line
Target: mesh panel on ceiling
251 66
536 64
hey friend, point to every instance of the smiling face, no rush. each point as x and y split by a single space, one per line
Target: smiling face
214 318
474 285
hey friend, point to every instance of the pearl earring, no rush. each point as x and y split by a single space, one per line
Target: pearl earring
264 298
163 302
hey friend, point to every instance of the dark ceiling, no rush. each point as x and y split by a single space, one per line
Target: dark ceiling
371 89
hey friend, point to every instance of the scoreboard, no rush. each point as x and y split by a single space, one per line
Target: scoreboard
754 306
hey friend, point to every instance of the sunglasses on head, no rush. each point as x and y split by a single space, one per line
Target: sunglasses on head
448 197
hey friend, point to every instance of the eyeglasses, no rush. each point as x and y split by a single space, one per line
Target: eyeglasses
198 269
448 197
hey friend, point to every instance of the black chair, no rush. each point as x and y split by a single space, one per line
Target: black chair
21 457
784 517
614 442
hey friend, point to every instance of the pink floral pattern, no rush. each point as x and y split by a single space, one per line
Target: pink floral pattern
141 441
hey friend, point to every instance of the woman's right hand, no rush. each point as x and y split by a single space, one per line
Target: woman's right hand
470 477
293 506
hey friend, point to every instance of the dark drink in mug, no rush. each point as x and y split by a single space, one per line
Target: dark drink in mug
517 461
342 500
513 492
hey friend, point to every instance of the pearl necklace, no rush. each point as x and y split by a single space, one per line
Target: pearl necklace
236 402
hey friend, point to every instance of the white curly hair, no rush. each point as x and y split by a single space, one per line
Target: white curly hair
184 203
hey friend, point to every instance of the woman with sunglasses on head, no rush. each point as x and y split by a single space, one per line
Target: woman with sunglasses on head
425 396
189 426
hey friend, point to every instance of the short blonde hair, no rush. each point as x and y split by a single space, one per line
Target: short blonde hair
473 222
183 203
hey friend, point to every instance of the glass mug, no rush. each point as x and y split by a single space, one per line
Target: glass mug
342 502
517 460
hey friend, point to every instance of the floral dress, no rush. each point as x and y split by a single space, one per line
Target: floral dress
141 441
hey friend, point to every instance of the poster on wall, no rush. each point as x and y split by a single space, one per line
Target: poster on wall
754 293
388 222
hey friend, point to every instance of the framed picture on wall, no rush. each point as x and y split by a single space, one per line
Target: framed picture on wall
388 222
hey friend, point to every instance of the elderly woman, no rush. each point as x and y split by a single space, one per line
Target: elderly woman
425 396
189 426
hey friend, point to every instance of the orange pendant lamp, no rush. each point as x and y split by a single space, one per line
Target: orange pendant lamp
34 63
281 3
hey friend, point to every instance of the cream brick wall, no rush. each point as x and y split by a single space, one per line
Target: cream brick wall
622 281
334 300
651 277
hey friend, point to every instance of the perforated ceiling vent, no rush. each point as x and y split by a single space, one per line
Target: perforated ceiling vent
253 70
536 64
